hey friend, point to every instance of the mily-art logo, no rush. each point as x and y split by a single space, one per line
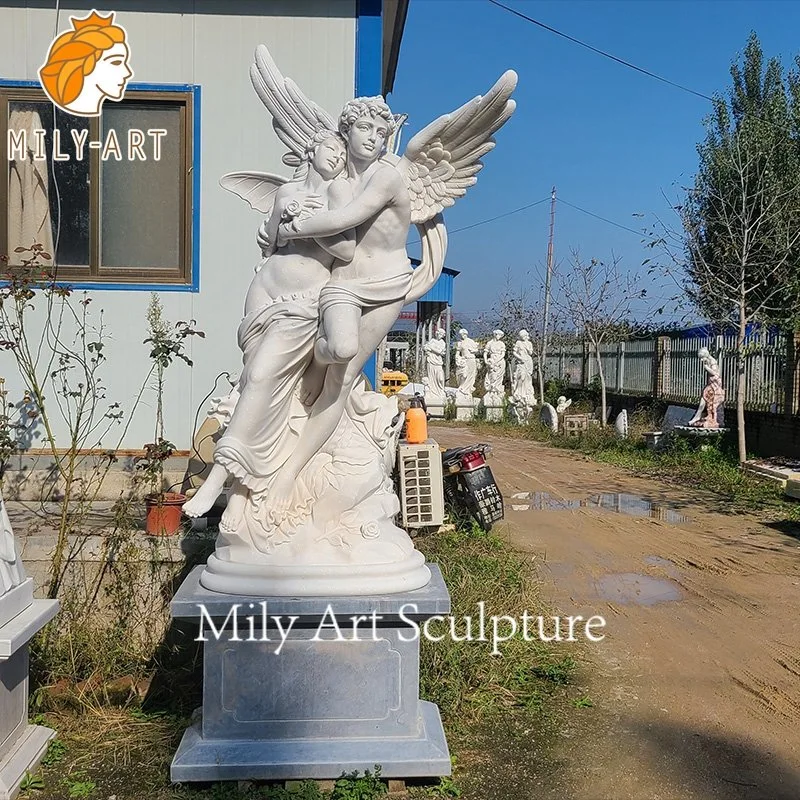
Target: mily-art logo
85 66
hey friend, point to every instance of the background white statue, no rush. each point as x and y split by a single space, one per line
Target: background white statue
562 404
315 514
494 356
435 354
522 393
466 365
12 572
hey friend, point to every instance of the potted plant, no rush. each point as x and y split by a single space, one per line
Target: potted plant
166 344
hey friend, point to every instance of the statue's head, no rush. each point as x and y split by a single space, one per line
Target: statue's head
498 334
366 123
463 333
327 154
524 335
440 333
92 56
703 353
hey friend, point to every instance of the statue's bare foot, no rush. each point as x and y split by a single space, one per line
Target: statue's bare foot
234 511
279 496
199 505
312 382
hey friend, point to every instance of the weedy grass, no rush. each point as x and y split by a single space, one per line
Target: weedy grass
467 682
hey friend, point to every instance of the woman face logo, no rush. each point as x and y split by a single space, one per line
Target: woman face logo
86 65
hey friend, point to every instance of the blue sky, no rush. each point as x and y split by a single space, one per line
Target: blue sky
611 140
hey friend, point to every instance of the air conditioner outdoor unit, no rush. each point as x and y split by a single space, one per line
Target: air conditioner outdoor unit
421 487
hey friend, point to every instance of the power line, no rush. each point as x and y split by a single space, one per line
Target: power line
597 216
492 219
603 53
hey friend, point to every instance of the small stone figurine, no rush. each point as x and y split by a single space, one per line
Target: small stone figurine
713 394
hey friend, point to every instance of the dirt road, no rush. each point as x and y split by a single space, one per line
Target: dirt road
696 688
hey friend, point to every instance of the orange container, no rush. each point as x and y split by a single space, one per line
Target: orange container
416 423
164 513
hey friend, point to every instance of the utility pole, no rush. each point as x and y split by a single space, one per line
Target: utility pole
548 280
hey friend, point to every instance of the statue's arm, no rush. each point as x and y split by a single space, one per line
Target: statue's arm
342 245
377 194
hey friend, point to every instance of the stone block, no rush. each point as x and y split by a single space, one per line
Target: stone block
325 700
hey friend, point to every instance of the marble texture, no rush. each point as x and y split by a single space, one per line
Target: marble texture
309 449
330 701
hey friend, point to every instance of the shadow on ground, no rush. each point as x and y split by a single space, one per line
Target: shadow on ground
719 767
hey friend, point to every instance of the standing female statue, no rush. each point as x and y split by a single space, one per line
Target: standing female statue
522 378
466 364
435 353
494 356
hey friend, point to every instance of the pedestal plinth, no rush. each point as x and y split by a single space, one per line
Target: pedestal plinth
21 745
325 700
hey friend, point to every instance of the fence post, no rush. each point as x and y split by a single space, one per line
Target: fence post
661 366
621 367
791 399
561 362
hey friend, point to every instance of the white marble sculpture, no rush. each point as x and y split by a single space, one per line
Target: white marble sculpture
466 366
435 353
549 417
11 571
310 450
621 424
523 396
494 356
562 404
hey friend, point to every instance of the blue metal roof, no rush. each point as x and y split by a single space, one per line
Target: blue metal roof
442 290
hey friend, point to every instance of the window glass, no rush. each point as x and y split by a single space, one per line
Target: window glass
141 200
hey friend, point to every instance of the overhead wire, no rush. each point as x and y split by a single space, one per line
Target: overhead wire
600 52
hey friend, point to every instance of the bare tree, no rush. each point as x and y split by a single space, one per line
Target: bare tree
597 298
738 247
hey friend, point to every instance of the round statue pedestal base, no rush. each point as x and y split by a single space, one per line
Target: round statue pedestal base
313 580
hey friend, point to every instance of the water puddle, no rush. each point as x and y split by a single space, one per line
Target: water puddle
630 505
641 590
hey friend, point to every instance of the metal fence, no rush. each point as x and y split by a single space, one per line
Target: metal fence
669 368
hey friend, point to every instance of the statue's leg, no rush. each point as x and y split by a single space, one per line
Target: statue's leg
205 496
375 324
338 342
699 413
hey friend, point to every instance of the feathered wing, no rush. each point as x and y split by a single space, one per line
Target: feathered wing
295 118
442 160
257 188
440 164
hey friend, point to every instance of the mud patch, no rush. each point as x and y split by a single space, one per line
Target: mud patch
634 588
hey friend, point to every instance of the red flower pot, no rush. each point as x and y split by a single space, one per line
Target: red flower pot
164 513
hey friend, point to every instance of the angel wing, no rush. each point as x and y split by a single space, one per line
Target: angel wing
295 118
257 188
442 160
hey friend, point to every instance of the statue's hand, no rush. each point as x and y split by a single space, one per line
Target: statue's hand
262 239
301 206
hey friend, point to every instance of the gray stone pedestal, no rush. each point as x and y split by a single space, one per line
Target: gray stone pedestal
21 745
325 701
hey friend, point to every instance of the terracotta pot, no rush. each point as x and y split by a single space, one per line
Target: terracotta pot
164 513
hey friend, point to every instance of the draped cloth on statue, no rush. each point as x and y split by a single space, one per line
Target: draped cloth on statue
278 343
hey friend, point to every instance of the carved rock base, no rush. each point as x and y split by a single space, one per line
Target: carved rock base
328 702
